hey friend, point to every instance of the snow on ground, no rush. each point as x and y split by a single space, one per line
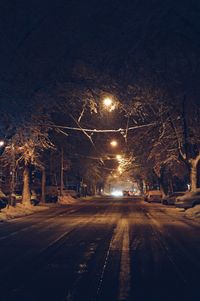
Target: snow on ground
193 213
18 211
22 210
66 199
87 198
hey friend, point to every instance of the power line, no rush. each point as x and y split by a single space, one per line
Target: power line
104 130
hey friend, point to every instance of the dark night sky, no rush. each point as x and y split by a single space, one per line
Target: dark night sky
40 41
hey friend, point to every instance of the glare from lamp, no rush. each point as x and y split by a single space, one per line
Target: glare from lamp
113 143
107 102
118 157
2 143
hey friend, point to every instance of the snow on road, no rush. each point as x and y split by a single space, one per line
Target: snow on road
120 242
124 276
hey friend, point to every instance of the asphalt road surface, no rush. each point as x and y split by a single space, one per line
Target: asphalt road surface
102 249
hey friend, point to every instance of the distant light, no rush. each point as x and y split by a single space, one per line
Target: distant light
113 143
119 169
117 193
118 157
2 143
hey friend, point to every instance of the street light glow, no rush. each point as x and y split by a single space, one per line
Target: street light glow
107 102
2 143
119 169
118 157
113 143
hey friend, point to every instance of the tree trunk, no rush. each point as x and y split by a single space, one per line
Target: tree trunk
185 128
162 188
193 176
94 189
43 186
161 183
170 185
193 163
143 186
26 194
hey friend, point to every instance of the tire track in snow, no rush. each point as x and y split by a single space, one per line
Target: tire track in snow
124 276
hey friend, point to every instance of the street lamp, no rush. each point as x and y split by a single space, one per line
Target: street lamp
119 170
109 104
2 146
113 143
2 143
118 157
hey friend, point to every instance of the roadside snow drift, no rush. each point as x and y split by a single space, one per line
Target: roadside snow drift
66 199
18 211
194 213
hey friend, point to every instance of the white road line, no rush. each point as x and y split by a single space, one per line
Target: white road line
124 276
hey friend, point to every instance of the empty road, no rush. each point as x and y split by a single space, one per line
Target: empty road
105 249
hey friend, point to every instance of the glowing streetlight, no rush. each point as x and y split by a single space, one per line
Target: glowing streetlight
113 143
107 102
118 157
2 143
119 170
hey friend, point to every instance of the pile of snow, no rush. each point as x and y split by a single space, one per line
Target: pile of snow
66 199
87 198
18 211
194 213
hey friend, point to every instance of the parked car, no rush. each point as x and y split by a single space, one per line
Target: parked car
52 194
171 198
15 198
70 192
18 196
153 196
188 200
35 199
125 193
3 204
3 200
